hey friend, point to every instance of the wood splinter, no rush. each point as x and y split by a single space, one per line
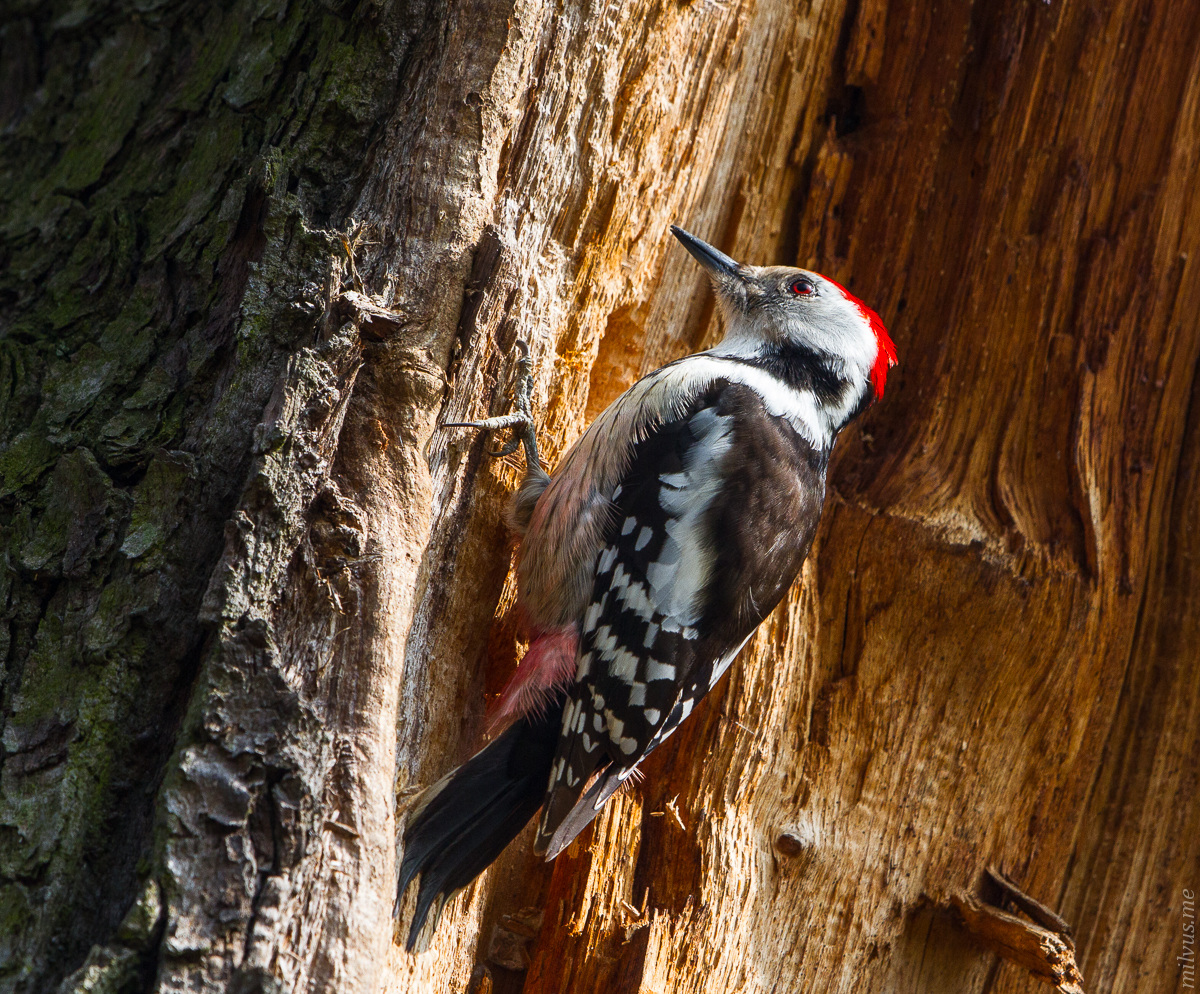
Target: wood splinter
1043 946
1033 908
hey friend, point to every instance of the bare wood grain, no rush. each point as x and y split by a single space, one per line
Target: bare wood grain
1007 185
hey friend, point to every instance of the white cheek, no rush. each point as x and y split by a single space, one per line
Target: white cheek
744 334
836 332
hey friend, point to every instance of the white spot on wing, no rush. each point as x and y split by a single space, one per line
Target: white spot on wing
623 664
675 628
726 661
636 598
604 640
592 616
607 558
619 578
571 713
584 667
659 671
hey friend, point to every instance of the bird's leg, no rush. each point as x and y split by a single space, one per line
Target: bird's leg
520 420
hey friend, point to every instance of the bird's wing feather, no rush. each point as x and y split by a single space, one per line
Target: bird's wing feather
712 522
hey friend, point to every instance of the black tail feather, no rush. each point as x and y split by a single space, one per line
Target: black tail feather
584 811
469 816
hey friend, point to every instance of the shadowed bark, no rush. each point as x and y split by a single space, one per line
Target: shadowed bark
250 257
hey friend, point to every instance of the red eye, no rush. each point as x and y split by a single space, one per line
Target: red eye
802 287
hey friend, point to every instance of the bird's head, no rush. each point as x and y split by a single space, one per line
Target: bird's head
773 309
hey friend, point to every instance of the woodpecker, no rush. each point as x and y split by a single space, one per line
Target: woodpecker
671 529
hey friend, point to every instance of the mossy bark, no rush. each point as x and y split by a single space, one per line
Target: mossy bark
249 255
177 185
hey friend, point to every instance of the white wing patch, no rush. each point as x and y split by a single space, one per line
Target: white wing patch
684 566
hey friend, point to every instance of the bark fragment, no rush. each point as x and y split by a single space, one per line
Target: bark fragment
1048 955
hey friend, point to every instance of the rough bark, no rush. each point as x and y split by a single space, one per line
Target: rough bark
177 190
250 257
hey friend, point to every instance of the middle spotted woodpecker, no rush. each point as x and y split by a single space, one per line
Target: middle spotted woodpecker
670 530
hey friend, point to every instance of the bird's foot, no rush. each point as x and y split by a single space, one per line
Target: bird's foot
520 420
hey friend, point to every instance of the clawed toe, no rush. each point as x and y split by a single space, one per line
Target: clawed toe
516 421
520 420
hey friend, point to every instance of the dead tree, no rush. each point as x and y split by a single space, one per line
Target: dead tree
251 256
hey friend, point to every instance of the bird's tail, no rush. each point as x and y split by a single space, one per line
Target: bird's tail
464 821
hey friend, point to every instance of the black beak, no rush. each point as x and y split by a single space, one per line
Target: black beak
715 261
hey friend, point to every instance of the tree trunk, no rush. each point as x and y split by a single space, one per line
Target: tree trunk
251 257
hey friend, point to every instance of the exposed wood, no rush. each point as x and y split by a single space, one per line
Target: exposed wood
938 692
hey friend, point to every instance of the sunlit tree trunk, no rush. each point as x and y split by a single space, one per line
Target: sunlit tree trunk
253 601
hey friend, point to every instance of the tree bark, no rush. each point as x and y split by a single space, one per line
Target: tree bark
253 601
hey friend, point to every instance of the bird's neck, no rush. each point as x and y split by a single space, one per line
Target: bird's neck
839 390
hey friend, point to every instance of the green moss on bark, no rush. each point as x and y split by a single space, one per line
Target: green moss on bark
165 172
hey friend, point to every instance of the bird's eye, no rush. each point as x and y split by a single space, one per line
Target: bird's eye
802 287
